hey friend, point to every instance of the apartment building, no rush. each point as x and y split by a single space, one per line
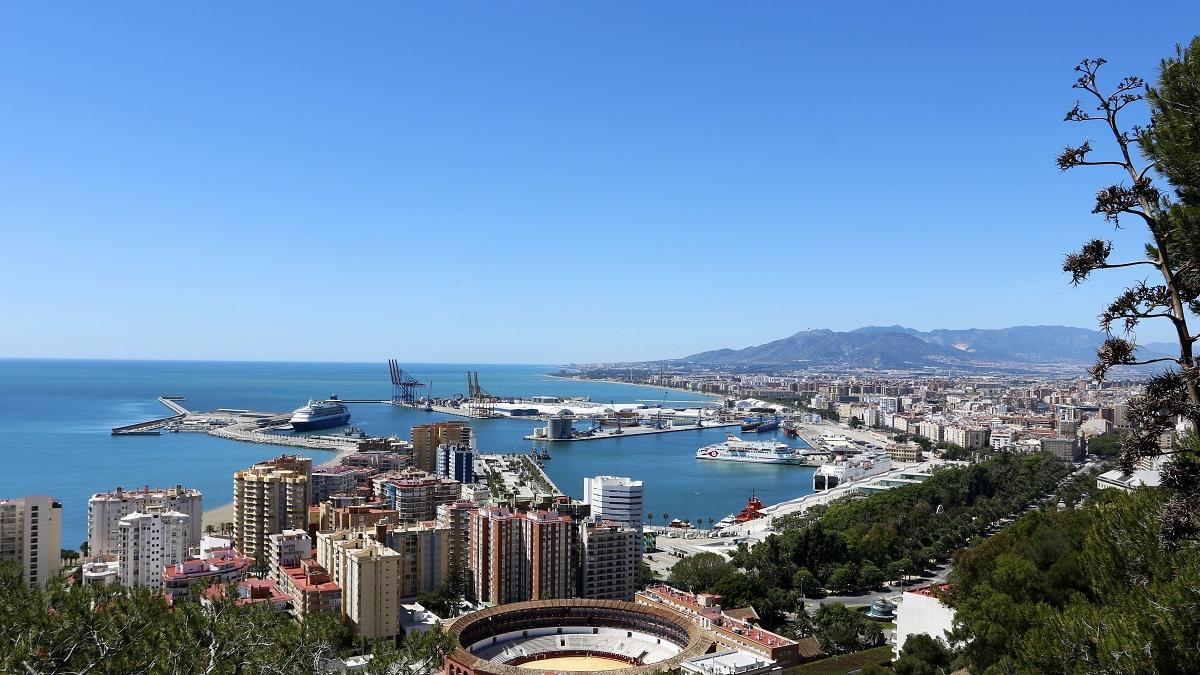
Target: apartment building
148 542
31 536
427 437
269 498
611 553
106 509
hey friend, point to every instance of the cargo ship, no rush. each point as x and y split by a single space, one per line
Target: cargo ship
320 415
735 449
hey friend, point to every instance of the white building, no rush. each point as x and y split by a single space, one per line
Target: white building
31 536
921 611
100 572
106 509
615 499
149 541
287 549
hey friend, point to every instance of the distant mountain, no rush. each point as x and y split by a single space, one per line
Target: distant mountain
899 347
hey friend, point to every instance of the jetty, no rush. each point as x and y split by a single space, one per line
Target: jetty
236 425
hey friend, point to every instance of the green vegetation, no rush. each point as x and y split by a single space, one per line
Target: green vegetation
845 663
924 655
841 630
1081 590
60 627
856 544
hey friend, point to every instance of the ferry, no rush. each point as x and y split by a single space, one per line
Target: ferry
320 415
845 469
735 449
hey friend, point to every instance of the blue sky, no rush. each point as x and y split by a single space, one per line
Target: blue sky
543 182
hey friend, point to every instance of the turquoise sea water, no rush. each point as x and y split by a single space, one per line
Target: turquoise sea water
56 417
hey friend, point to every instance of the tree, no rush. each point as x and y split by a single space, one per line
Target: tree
855 422
84 548
923 655
701 572
650 518
839 629
802 625
1171 144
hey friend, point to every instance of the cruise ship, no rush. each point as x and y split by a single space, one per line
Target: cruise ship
848 469
320 415
735 449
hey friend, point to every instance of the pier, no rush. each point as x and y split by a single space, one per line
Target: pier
626 432
236 425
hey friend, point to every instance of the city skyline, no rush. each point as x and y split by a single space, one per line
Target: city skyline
635 193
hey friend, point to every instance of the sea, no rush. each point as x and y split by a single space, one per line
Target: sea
56 418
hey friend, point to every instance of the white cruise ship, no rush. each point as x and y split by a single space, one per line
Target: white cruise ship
735 449
320 415
850 469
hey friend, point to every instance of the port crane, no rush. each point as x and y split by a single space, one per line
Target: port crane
479 402
404 385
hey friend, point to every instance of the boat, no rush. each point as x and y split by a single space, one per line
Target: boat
749 426
752 510
791 429
767 425
843 469
320 415
735 449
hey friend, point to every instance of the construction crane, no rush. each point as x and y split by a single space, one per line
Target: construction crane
479 402
404 385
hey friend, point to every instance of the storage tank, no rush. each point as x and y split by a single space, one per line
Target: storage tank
559 427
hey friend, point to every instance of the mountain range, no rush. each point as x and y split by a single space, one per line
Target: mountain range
901 347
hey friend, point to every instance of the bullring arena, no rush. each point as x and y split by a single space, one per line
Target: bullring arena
572 636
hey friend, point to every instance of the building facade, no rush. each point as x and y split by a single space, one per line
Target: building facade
31 536
148 542
427 437
106 509
268 498
615 499
611 553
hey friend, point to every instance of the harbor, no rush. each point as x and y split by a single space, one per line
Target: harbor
552 433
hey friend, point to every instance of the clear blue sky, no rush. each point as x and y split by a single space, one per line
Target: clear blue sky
519 182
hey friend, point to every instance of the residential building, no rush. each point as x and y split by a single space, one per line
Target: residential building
214 567
31 536
616 499
369 575
417 499
971 438
424 555
611 553
269 498
427 437
1066 449
106 509
516 556
312 589
331 480
100 570
250 592
456 462
287 549
148 542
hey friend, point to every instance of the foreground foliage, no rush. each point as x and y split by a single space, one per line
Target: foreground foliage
1081 590
64 628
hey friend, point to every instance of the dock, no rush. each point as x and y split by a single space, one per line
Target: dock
626 432
234 424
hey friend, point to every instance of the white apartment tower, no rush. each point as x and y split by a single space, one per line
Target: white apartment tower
615 499
287 549
149 541
31 536
106 509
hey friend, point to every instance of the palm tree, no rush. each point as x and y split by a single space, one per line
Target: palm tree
710 523
650 518
210 529
83 548
666 518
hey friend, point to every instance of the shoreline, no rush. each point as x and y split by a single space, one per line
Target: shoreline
681 390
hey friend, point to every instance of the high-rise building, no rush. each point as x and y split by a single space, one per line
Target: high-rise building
427 437
269 498
424 555
615 499
331 480
312 589
31 536
417 499
456 462
369 574
106 509
147 542
518 556
611 553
